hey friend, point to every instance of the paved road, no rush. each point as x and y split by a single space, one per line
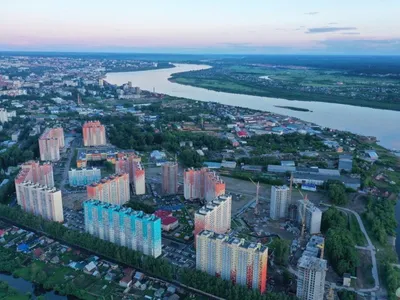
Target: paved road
370 248
68 164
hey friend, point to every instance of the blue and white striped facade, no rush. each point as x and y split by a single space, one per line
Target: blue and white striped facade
123 226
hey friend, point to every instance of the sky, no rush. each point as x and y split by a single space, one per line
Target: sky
202 26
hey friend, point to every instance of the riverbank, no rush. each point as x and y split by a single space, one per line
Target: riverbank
240 80
330 115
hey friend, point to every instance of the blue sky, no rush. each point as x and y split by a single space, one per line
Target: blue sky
218 26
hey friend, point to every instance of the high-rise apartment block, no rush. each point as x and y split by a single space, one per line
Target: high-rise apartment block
312 216
123 226
35 190
214 216
133 166
312 271
83 177
311 278
50 143
94 134
202 184
113 189
169 178
280 200
232 259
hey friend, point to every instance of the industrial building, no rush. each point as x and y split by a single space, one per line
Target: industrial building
50 143
123 226
280 200
234 259
113 189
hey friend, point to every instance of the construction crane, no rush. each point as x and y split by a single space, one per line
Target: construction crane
322 247
303 215
256 212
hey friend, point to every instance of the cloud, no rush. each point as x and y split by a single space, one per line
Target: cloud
333 23
328 29
351 33
312 13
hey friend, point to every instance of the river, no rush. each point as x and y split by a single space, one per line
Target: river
23 286
383 124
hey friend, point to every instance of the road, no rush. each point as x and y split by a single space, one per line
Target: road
68 164
370 248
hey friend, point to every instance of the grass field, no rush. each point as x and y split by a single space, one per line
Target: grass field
303 84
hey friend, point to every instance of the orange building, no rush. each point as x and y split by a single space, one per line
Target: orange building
202 184
94 134
114 189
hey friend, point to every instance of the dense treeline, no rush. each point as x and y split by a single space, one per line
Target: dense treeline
380 217
336 192
339 242
127 134
156 267
289 143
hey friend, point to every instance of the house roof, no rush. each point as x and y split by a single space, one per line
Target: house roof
168 220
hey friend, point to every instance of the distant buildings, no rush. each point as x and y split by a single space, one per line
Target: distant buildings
169 178
202 184
132 165
345 163
280 200
35 190
50 143
5 115
94 134
123 226
214 216
114 189
313 216
83 177
232 259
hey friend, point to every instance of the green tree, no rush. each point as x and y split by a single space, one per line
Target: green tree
280 249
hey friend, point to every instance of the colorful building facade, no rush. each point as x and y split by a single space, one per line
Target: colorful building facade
35 191
202 184
233 259
113 189
214 216
50 143
132 165
169 173
83 177
94 134
123 226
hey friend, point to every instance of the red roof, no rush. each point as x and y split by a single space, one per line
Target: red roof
38 251
168 220
242 133
2 232
162 213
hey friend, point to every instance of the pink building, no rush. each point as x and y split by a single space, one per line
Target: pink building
35 191
202 184
94 134
50 143
131 164
170 178
114 189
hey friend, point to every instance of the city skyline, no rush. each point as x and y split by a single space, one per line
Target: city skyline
312 27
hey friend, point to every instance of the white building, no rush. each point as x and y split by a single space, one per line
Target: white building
5 115
311 278
280 200
83 177
313 216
